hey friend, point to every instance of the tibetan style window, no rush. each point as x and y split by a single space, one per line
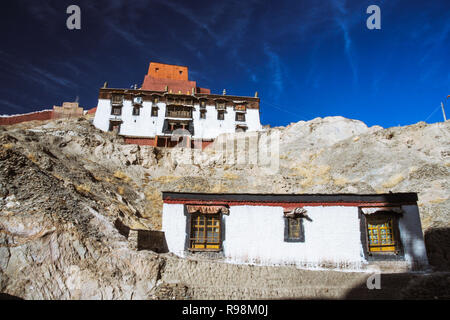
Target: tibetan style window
380 233
154 111
380 230
220 106
136 111
220 115
202 114
205 230
240 116
293 225
137 100
116 111
117 100
114 126
178 111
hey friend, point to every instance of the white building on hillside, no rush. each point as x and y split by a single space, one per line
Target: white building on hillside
340 230
156 117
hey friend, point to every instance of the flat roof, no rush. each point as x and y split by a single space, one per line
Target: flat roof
388 198
165 93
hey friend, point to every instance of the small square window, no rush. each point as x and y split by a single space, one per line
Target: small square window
240 116
380 235
220 115
154 111
116 111
293 230
114 126
136 111
205 232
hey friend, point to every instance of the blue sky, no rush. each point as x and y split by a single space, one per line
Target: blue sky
306 59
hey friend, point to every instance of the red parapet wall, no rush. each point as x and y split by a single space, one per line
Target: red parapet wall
39 115
141 141
176 86
206 143
152 142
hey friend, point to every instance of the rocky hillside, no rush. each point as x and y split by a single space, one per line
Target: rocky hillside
68 190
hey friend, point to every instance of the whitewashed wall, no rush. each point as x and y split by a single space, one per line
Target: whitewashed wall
174 227
145 125
255 234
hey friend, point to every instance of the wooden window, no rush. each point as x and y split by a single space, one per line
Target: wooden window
116 111
202 114
136 111
240 116
380 234
294 230
114 126
116 99
178 112
220 115
137 100
205 232
154 111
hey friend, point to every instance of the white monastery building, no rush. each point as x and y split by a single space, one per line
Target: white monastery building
169 108
338 230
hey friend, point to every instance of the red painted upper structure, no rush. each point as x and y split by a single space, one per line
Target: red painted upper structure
173 78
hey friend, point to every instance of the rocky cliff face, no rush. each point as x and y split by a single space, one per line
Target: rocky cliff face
68 192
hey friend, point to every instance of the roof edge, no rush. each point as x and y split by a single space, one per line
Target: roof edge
393 198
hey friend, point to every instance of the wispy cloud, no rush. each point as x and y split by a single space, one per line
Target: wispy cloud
224 24
342 22
4 104
30 72
275 66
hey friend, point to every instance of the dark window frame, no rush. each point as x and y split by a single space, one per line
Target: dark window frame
117 99
221 115
110 129
116 108
399 254
240 114
138 111
202 114
154 112
187 245
287 237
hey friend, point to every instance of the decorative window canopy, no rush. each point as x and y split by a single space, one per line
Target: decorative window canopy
295 212
207 209
373 210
